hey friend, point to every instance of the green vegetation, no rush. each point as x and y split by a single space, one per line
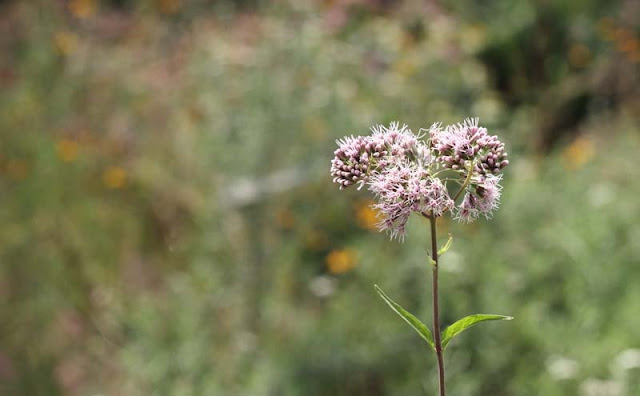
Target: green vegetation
168 225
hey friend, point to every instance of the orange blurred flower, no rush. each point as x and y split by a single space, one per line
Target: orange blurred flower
366 216
341 261
578 153
114 177
622 34
67 150
628 45
82 8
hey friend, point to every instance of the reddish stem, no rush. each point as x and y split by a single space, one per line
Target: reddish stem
436 314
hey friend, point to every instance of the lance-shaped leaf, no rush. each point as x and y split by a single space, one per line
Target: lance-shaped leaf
466 322
414 322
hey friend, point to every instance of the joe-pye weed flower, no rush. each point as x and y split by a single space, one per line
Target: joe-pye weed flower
408 175
457 170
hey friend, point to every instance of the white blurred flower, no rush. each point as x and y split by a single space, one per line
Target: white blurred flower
628 359
562 368
601 194
322 286
245 341
596 387
454 262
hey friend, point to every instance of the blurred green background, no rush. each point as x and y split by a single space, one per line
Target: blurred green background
169 226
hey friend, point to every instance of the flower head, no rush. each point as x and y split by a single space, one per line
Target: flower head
457 144
405 187
481 198
351 161
407 175
399 143
357 157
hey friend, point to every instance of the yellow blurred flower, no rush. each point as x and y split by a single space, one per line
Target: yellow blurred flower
341 261
65 42
284 219
169 6
579 55
606 28
316 240
366 216
578 153
82 8
405 67
114 177
67 150
315 128
473 37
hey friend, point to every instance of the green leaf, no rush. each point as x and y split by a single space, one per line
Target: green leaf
446 246
466 322
414 322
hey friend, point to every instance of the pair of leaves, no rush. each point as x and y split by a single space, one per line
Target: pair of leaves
448 334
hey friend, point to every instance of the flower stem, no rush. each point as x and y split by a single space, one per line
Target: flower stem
436 314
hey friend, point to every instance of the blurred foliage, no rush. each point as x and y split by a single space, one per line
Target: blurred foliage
169 226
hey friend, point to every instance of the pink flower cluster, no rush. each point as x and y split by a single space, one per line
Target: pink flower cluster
404 187
480 198
408 175
459 143
356 157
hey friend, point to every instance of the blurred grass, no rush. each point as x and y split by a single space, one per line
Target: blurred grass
169 226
